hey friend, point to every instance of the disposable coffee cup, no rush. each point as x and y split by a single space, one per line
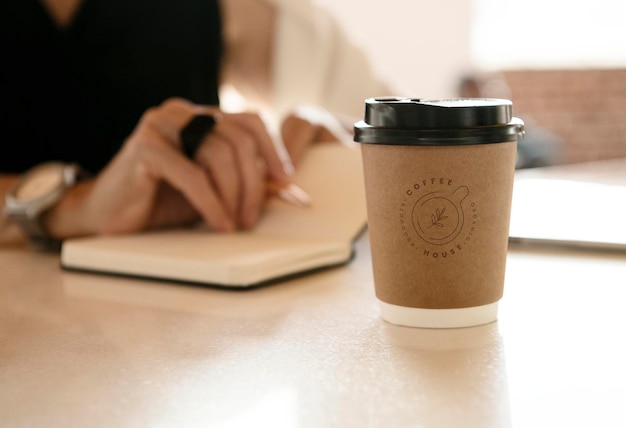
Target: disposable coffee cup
438 184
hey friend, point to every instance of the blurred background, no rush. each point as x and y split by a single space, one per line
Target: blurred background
562 63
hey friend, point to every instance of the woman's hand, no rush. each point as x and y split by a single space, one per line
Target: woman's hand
307 125
150 183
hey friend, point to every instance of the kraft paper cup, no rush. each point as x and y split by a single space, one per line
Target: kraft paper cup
438 183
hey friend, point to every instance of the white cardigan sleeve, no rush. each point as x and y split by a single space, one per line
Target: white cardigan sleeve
315 63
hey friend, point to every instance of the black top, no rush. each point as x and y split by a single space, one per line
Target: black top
75 95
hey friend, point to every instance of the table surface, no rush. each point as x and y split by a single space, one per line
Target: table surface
82 350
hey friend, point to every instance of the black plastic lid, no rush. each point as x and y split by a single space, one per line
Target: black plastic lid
410 121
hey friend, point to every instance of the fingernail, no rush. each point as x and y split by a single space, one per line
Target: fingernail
294 195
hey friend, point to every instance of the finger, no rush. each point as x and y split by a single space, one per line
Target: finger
298 134
271 150
174 209
220 162
332 128
325 135
164 162
252 191
173 115
170 117
260 195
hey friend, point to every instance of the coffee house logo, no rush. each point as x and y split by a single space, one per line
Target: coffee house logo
438 217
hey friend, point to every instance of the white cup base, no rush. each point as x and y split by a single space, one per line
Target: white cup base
439 318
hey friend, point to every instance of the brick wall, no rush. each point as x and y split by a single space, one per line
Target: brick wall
586 108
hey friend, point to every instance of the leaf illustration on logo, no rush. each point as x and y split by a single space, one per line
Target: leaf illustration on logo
438 217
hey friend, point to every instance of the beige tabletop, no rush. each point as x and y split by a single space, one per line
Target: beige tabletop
81 350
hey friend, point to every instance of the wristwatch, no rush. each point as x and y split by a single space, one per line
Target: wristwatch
36 192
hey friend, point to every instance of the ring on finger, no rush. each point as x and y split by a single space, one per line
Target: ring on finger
192 135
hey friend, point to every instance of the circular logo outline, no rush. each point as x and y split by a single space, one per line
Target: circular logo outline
437 210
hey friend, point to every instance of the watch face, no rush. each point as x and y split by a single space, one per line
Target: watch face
40 183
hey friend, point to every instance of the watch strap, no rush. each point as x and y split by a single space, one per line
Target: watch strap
29 219
37 235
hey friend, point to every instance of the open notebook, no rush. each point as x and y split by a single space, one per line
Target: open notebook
578 206
288 241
